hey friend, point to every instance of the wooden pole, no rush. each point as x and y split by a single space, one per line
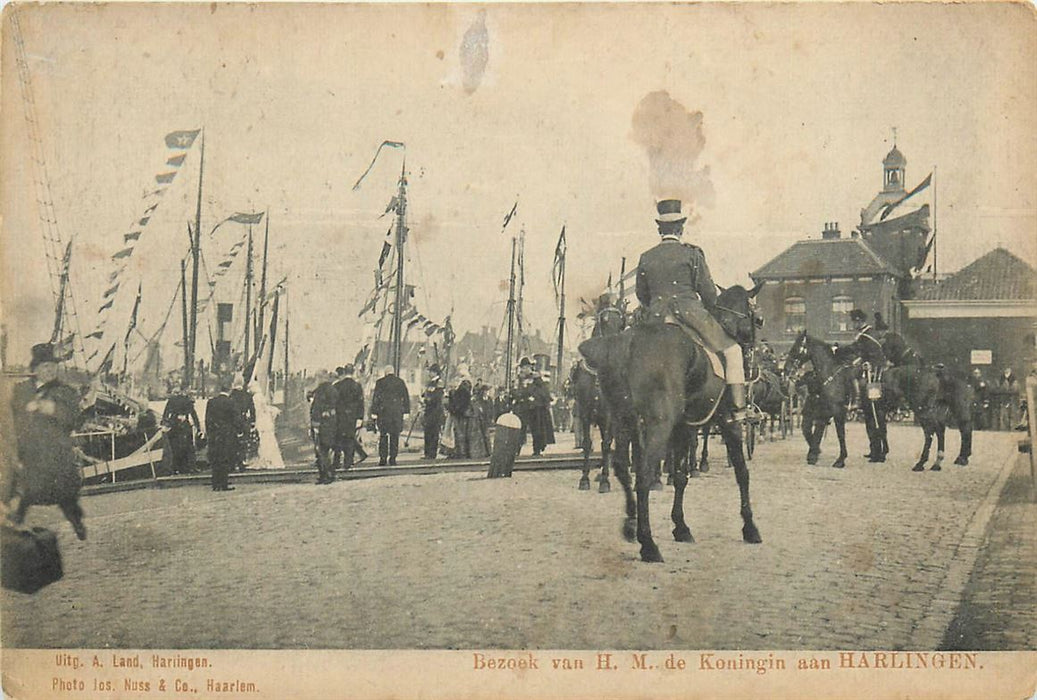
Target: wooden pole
401 239
195 254
186 379
511 319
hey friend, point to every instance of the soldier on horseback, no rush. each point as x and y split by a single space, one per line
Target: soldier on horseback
673 278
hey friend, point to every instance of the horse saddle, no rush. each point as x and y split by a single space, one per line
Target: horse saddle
700 406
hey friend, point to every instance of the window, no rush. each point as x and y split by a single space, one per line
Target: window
795 315
841 308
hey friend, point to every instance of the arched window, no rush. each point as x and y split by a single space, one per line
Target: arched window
795 314
841 308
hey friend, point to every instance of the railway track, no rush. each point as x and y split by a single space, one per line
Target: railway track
303 472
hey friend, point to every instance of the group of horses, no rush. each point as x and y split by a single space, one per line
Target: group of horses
936 397
636 384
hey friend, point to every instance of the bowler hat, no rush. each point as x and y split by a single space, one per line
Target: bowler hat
669 211
42 352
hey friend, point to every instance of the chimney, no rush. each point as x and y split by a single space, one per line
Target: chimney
831 231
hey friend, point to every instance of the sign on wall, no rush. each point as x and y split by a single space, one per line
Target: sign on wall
982 357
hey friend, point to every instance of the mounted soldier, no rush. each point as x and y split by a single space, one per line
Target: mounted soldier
673 279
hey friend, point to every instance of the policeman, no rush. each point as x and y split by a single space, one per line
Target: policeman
433 414
673 276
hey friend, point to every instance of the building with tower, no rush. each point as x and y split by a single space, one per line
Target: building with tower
815 283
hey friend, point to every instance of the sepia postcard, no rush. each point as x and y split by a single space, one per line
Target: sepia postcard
518 350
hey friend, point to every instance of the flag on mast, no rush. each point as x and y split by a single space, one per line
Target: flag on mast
888 209
559 262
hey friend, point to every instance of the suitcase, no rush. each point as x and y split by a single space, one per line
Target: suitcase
29 559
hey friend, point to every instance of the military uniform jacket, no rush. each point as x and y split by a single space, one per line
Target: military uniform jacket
390 401
674 270
868 346
433 406
350 401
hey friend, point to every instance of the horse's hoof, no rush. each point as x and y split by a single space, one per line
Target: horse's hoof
962 461
750 534
682 534
599 477
630 529
703 466
920 467
694 473
839 463
585 484
657 485
650 553
604 486
935 468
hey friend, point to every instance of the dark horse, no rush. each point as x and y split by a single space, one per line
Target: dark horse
650 374
829 390
934 395
591 408
935 398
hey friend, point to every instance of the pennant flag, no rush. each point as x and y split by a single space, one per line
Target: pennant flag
96 335
226 263
165 178
64 349
245 218
176 161
924 254
106 363
144 221
124 253
390 144
409 314
181 139
393 204
888 209
155 193
133 316
107 305
114 274
369 306
386 247
150 209
131 237
431 330
111 291
413 322
378 278
559 262
507 219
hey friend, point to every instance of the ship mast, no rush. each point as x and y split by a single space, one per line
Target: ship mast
511 318
189 356
401 239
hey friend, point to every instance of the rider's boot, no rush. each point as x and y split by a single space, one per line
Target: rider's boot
737 402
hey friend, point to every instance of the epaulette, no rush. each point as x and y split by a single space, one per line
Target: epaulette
691 245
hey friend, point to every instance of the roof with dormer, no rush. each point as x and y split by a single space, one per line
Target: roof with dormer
814 258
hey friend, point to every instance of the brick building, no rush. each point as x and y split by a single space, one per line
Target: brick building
815 283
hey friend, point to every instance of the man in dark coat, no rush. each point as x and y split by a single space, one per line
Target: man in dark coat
673 278
868 346
45 411
390 402
223 424
432 412
246 406
182 427
324 428
350 415
533 405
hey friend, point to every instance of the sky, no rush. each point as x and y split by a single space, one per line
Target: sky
767 120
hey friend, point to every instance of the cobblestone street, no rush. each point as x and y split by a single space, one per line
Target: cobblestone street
869 557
